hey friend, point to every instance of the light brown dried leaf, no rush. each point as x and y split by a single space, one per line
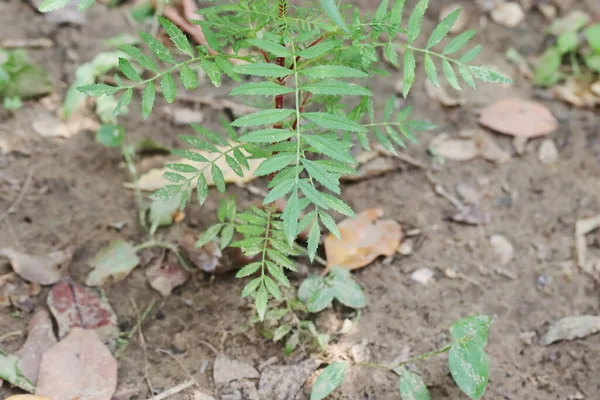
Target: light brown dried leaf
39 339
79 367
569 328
457 149
517 117
363 239
165 275
44 270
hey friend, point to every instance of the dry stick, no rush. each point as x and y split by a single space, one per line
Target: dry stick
187 372
24 189
10 334
174 390
133 330
144 349
24 43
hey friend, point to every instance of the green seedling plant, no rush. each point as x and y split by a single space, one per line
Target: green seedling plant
21 79
307 69
576 52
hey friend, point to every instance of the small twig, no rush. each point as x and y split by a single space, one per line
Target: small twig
24 189
174 390
410 160
9 335
187 372
43 43
210 346
144 349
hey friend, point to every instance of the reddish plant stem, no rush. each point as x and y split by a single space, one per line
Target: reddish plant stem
304 101
265 56
319 40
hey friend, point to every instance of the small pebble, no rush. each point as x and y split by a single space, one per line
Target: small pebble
422 276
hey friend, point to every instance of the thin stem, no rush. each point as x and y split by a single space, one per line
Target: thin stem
409 361
166 245
265 247
304 251
139 198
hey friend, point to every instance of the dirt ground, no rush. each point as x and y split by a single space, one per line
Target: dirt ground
77 191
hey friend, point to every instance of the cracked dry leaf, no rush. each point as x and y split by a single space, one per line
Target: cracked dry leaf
11 372
569 328
79 367
73 306
154 179
40 337
363 239
165 275
44 270
114 262
518 117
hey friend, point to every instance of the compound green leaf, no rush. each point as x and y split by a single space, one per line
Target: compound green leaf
337 88
450 74
263 69
98 89
142 59
412 386
148 96
431 70
471 54
391 54
260 89
345 289
201 189
311 193
251 287
314 237
592 33
212 72
218 178
277 273
166 193
248 270
466 75
274 164
409 71
332 71
177 37
381 11
339 206
490 75
157 48
458 42
209 235
396 12
261 301
416 20
329 380
110 135
263 117
227 67
474 328
123 102
440 31
85 4
188 77
271 135
127 69
11 371
281 331
322 176
319 49
169 91
567 42
290 216
271 47
332 11
330 148
49 5
469 367
333 121
234 165
315 293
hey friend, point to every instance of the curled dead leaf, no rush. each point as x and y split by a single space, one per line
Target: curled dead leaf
73 306
78 367
17 292
166 274
44 270
517 117
362 240
578 93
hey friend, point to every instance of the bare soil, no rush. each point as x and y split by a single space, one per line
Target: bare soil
77 191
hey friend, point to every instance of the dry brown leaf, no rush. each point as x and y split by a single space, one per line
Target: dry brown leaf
154 180
457 149
517 117
577 93
166 274
17 292
74 306
363 239
40 337
489 149
50 126
209 258
44 270
569 328
79 367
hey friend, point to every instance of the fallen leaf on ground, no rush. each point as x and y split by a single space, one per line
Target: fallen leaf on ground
582 228
79 367
76 306
577 93
462 20
508 14
503 248
489 149
226 370
163 212
40 337
517 117
154 179
114 262
569 328
50 126
44 270
283 382
375 167
422 276
166 274
363 239
548 153
443 95
11 372
15 291
457 149
209 258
